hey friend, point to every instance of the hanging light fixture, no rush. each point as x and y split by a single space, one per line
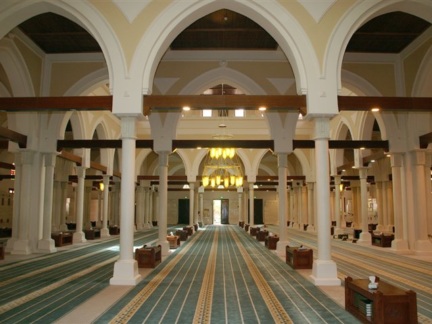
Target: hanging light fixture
222 167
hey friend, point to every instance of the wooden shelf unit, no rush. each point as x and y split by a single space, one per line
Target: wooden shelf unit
389 304
299 258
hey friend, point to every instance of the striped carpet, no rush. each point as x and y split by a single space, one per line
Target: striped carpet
359 261
43 289
223 275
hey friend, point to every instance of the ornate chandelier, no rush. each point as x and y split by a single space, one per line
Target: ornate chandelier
222 169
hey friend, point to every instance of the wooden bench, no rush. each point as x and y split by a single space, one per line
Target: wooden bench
246 227
148 256
92 234
382 239
261 235
254 230
271 242
182 234
114 230
299 257
241 224
174 241
62 238
189 230
1 252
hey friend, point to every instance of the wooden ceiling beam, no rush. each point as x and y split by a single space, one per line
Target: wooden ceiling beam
79 103
425 140
199 102
10 135
363 103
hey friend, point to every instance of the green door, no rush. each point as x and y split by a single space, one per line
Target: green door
183 211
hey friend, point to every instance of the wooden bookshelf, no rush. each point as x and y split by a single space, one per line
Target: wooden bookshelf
388 304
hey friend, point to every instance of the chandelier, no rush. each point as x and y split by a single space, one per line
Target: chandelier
222 169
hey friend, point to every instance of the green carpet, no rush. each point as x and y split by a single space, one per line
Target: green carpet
223 275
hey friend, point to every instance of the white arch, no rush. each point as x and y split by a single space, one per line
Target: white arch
224 75
14 65
83 13
284 28
358 14
423 82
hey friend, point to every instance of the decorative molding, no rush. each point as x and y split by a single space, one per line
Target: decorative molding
317 9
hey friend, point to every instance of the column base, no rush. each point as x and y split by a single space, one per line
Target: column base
21 247
105 232
140 227
423 247
125 273
365 238
165 248
281 248
10 244
311 228
324 273
78 237
47 246
147 226
400 247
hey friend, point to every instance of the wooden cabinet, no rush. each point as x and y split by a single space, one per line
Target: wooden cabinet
299 258
148 256
61 238
271 242
387 304
92 234
262 235
254 230
382 240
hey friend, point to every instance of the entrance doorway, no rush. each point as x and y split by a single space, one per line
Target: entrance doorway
220 211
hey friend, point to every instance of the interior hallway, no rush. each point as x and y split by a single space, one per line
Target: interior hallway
416 276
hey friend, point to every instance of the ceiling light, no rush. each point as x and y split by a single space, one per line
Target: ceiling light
186 108
375 109
262 108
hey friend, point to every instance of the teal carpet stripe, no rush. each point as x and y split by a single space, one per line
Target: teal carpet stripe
359 261
235 296
45 288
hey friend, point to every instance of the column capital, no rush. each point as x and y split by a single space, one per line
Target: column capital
396 159
81 171
282 159
128 126
322 128
418 157
163 158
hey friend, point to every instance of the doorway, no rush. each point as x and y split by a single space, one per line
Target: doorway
258 211
220 211
183 211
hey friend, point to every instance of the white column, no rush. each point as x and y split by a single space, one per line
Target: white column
163 201
16 204
337 214
365 236
105 230
22 244
63 194
300 207
390 219
422 244
291 206
147 219
46 244
311 226
380 206
400 243
191 203
240 203
78 236
385 204
140 207
126 268
201 205
282 193
251 204
324 270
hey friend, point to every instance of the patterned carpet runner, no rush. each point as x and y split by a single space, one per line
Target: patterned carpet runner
223 275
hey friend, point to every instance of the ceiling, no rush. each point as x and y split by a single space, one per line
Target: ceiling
226 30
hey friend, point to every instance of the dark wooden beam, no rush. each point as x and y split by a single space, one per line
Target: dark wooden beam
199 102
93 165
347 144
84 103
193 144
425 140
361 103
99 144
8 166
7 177
13 136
